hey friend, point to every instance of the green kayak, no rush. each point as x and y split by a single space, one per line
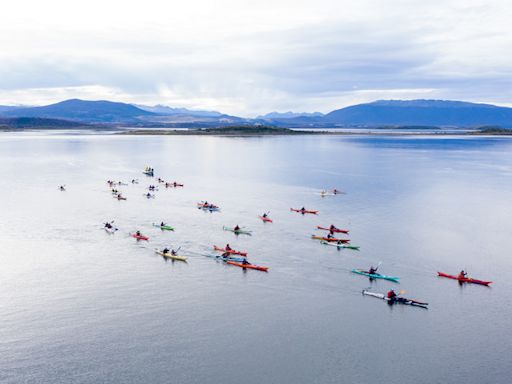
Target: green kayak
375 275
164 227
238 231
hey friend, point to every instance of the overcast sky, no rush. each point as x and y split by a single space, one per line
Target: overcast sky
251 57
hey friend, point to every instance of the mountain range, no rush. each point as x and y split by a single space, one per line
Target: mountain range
387 113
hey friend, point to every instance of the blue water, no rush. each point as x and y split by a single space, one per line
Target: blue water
79 305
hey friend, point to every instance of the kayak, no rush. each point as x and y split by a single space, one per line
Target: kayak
331 239
354 247
464 280
119 198
335 230
169 255
238 231
376 275
163 227
148 173
249 266
232 251
229 258
400 300
303 212
265 219
171 185
150 196
140 237
110 230
209 207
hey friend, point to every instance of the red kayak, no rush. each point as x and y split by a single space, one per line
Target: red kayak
140 237
250 266
330 239
265 219
304 211
335 230
465 279
231 251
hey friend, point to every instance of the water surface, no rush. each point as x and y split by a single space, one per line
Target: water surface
79 305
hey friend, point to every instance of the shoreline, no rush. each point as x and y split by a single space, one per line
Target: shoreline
240 133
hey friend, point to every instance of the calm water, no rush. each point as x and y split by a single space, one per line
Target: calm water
81 306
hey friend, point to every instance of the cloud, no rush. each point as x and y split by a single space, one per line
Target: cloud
254 57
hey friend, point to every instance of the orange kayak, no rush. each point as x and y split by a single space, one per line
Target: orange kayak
250 266
231 252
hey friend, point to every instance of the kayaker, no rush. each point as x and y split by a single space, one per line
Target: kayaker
245 262
228 248
162 224
62 188
264 215
339 242
391 295
225 255
174 253
237 228
108 225
148 195
138 233
462 275
303 209
372 270
330 236
165 251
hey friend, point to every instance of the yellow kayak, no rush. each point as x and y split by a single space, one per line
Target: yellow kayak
171 256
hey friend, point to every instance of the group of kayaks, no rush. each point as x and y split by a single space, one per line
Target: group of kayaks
239 258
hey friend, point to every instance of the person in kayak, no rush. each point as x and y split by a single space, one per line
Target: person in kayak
245 262
462 275
372 270
391 295
225 255
165 251
138 233
237 228
148 195
174 253
264 215
162 224
108 225
228 248
62 188
330 236
303 209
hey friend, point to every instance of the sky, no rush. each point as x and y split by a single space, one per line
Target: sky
251 57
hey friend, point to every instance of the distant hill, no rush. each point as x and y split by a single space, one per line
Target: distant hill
289 115
37 122
383 113
421 112
170 111
83 110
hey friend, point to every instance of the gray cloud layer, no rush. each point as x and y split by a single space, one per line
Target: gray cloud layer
252 58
